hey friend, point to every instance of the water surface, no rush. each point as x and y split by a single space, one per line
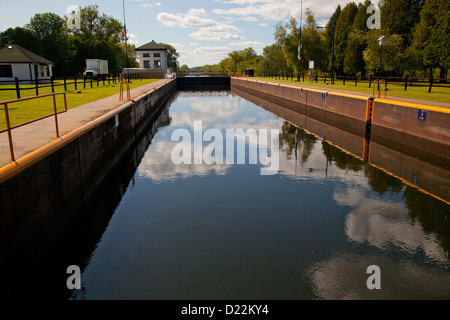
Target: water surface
227 232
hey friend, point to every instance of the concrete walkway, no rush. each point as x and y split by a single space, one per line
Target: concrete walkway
330 89
31 137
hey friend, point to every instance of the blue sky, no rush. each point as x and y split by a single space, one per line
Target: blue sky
203 32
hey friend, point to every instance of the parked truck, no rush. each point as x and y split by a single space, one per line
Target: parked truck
96 68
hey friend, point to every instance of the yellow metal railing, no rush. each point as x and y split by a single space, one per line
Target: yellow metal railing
379 82
9 128
121 91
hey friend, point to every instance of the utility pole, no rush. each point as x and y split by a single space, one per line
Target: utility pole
382 41
300 42
126 41
332 49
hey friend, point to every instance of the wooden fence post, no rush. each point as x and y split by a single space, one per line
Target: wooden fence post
36 85
17 87
53 87
406 83
431 84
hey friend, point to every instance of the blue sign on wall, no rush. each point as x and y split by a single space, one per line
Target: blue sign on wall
422 115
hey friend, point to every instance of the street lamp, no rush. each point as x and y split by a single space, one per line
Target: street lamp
332 48
382 42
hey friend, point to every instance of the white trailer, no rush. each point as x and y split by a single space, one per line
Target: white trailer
96 68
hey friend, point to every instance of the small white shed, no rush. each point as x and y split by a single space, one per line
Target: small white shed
19 62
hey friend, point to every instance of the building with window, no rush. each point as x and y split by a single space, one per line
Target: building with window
16 61
152 57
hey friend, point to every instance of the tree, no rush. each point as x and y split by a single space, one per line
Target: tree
400 17
394 59
50 30
343 27
330 26
239 60
23 37
172 57
313 45
273 60
184 68
356 43
286 36
432 36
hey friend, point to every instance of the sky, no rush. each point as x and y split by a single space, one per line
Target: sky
202 31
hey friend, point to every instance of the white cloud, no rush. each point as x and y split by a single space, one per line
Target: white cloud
205 55
279 10
208 29
132 38
197 12
246 44
146 3
204 34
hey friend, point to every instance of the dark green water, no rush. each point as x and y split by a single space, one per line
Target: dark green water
227 232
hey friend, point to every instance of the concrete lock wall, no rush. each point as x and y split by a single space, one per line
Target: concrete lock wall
413 129
57 185
347 112
418 130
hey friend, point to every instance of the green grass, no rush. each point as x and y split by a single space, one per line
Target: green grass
25 111
438 94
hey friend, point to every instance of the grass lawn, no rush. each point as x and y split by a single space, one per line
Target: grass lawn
439 94
21 112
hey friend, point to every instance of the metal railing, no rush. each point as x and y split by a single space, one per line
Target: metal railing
9 128
379 82
122 90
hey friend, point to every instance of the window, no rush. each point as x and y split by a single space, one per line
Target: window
146 55
157 55
6 71
146 64
157 64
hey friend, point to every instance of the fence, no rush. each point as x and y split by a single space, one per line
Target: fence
77 82
8 122
182 74
406 81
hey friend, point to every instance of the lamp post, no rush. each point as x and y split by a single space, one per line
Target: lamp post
382 42
126 41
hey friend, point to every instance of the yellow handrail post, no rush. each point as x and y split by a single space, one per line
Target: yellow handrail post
56 116
121 91
8 126
379 87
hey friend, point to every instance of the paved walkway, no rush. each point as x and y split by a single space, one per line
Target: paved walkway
330 89
31 137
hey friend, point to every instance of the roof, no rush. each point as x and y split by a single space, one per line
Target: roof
17 54
152 46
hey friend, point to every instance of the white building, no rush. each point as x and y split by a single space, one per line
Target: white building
152 57
16 61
